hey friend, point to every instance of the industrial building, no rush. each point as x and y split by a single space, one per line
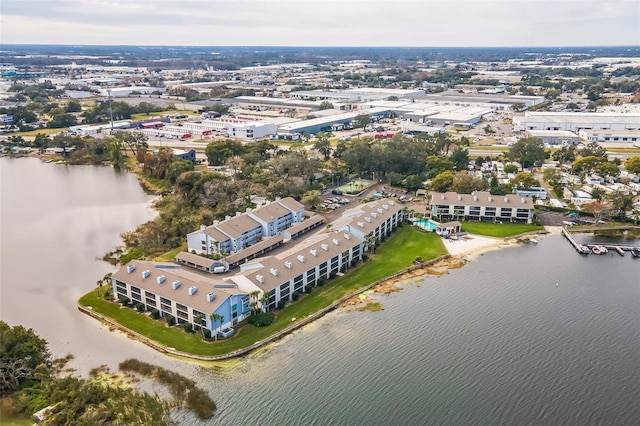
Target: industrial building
555 137
576 121
610 135
326 124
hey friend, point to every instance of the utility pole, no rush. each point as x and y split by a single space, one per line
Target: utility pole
110 109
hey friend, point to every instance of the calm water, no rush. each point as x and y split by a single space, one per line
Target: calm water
535 335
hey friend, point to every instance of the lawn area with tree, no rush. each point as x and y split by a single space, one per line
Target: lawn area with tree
397 253
499 230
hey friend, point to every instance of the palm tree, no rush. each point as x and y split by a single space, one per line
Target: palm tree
264 300
214 320
254 297
198 320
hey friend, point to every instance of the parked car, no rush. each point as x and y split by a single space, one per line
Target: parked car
336 192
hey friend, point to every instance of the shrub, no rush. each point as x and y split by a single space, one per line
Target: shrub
155 314
124 300
343 269
281 303
354 262
295 296
365 257
140 307
320 282
332 275
187 327
206 333
171 320
308 289
108 295
418 259
262 319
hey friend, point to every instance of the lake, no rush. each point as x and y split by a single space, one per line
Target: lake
535 334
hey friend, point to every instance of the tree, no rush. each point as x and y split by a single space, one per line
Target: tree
133 140
621 202
442 182
527 151
632 165
323 144
593 149
114 146
586 164
566 154
218 152
73 106
362 120
597 194
607 169
553 177
215 319
465 183
326 105
524 180
510 168
311 199
22 351
412 182
460 159
437 164
599 209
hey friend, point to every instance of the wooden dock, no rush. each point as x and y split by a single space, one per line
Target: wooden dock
579 247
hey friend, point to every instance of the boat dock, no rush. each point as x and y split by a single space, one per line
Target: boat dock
582 249
586 248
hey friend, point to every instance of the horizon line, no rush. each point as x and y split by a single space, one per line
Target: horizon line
334 46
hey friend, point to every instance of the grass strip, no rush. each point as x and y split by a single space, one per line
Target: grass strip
396 254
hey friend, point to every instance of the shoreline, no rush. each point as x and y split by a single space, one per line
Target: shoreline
455 260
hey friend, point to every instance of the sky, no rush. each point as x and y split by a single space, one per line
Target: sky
428 23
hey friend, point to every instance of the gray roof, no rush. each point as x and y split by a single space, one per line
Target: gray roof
315 251
270 212
305 224
237 225
195 259
291 204
481 198
244 253
171 272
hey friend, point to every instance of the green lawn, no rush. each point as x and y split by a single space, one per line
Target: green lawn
500 230
43 131
397 253
170 255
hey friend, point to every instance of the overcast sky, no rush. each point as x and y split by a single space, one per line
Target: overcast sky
322 22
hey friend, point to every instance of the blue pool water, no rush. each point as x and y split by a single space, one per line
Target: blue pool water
425 224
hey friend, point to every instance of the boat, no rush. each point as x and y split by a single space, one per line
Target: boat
635 252
599 250
533 240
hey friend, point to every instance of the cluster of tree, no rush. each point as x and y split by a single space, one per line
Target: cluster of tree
30 380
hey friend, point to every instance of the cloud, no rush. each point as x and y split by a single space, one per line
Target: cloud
322 22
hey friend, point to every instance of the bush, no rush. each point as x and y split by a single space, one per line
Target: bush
171 320
155 314
108 295
282 303
418 259
187 327
320 283
365 257
332 275
308 289
206 333
295 296
140 307
124 300
262 319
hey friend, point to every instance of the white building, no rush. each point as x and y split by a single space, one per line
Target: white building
481 205
246 229
576 121
610 135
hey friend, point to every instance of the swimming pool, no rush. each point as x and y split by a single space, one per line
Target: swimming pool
425 224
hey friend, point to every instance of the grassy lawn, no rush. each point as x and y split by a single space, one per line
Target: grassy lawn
171 254
143 116
396 254
43 131
499 230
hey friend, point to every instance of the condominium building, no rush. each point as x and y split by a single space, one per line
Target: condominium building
246 229
481 205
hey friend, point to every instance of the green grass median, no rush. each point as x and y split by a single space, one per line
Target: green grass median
397 253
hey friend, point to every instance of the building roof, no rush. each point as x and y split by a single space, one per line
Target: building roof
291 204
288 265
237 225
270 212
251 250
198 301
305 224
201 261
481 198
367 217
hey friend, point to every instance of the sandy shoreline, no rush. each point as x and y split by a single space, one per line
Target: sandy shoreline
461 251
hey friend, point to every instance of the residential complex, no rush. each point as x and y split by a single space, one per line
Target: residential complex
481 205
188 291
